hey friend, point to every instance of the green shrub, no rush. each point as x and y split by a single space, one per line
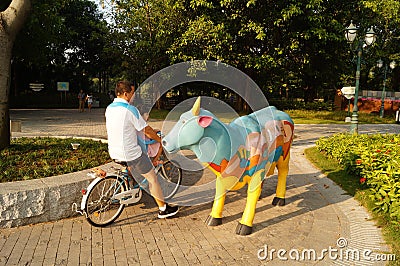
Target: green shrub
374 160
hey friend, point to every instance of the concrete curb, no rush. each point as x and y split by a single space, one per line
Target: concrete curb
40 200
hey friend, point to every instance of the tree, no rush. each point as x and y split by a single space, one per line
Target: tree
279 44
62 40
290 48
11 21
386 21
145 29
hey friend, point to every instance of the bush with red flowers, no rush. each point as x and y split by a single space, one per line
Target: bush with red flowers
374 160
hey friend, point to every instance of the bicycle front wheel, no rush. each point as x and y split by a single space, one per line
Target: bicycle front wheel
101 207
172 175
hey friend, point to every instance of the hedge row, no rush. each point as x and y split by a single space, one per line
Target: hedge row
300 105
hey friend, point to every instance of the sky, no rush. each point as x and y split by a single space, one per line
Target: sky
106 9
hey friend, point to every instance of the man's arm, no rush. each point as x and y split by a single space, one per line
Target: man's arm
151 133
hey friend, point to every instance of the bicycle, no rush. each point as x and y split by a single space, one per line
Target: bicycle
107 195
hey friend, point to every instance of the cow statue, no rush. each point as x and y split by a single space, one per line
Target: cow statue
242 152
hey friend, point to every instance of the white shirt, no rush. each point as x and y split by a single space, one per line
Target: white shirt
123 121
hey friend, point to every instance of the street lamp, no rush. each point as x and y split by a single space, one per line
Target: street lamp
387 68
369 39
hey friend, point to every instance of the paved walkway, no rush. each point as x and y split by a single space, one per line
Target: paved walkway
318 217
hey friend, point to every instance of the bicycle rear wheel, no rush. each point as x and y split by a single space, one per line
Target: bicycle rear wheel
172 175
101 207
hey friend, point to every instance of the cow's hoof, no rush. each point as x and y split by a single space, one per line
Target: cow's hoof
278 201
243 229
211 221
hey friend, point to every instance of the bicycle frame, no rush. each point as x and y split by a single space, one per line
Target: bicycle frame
122 180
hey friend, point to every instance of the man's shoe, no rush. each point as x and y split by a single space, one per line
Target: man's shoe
169 211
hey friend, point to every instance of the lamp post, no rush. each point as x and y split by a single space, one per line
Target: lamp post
387 68
369 39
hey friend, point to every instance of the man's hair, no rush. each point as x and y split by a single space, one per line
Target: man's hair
123 86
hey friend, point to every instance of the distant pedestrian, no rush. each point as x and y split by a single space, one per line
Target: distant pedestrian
89 99
111 95
81 99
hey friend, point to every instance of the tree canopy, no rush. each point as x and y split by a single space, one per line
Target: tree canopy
291 48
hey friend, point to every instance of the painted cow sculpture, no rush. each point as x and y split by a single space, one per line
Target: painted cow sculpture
242 152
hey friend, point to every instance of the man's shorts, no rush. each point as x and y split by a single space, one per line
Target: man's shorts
141 165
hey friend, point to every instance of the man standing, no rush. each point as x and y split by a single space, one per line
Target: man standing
123 121
81 99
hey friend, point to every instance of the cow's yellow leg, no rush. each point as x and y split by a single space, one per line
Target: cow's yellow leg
218 205
283 170
215 217
250 210
223 184
253 193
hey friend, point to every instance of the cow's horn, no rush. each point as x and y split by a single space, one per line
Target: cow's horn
196 107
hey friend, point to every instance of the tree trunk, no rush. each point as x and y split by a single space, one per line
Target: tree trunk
5 58
11 21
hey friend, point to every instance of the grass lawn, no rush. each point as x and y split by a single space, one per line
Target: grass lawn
32 158
390 229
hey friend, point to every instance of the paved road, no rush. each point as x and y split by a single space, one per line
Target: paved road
316 215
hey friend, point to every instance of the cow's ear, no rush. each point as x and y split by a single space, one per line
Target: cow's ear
204 121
